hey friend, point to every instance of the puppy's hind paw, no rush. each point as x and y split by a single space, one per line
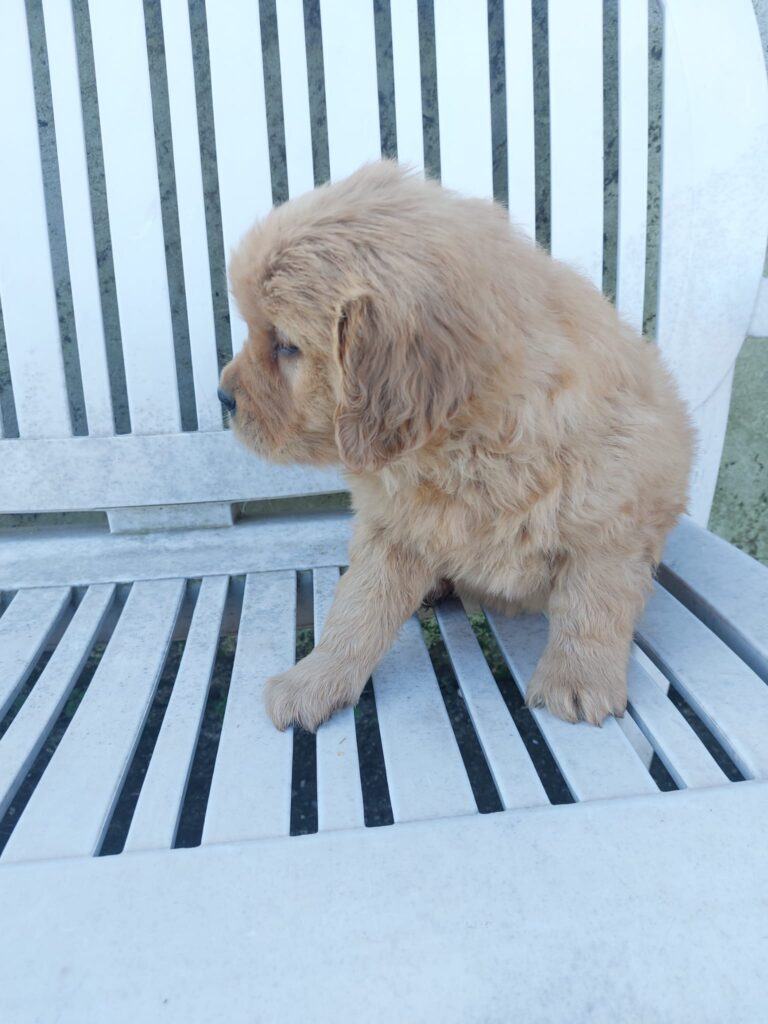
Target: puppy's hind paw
568 695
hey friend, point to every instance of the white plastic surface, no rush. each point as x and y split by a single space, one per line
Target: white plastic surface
339 790
26 278
518 49
293 78
242 145
251 786
576 134
649 909
464 96
351 89
135 220
78 218
406 67
190 199
71 805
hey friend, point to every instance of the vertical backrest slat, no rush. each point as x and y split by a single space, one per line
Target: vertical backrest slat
26 276
576 126
192 227
351 85
78 217
464 96
518 62
407 74
133 201
295 92
242 142
633 160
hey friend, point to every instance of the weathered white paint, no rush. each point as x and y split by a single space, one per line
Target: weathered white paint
714 204
189 194
580 913
464 96
425 773
77 213
242 145
29 729
727 695
576 134
156 816
596 762
70 808
339 792
145 518
135 219
724 587
295 86
513 772
406 67
633 160
521 164
251 785
131 470
26 277
351 89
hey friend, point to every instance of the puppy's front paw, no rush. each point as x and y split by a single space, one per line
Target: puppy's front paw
307 694
574 693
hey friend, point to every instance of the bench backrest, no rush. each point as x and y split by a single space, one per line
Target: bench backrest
506 100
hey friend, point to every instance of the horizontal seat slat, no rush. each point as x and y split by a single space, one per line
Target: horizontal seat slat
135 220
69 811
518 68
156 816
71 159
682 753
425 773
724 692
513 772
406 67
24 629
339 790
28 730
596 763
185 138
723 587
57 475
250 794
95 556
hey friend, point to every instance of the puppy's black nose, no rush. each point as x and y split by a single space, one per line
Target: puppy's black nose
227 400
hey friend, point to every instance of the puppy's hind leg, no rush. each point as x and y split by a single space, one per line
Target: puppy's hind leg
582 675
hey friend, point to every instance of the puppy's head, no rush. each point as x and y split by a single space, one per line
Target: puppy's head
358 346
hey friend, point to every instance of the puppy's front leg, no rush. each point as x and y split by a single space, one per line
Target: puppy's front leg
383 586
582 674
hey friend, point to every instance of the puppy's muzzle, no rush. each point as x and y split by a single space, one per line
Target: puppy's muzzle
227 400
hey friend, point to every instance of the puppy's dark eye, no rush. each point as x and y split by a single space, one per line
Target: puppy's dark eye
284 348
281 346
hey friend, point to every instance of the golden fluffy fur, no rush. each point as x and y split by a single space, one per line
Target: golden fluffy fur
500 425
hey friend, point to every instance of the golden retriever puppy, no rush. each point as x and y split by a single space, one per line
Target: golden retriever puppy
501 429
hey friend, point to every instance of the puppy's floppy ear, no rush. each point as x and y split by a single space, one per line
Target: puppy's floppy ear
401 380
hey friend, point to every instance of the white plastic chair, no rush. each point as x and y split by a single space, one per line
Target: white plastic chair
627 903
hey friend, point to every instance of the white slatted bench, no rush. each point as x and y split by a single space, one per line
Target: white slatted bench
163 857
